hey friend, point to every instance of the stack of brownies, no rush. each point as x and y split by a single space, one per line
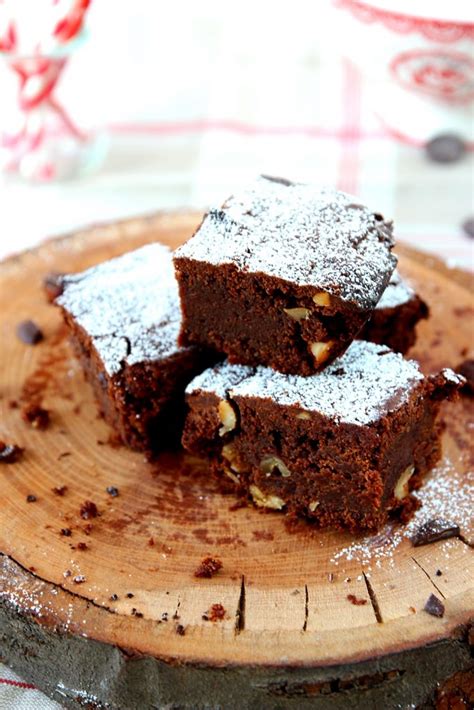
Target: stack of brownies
302 416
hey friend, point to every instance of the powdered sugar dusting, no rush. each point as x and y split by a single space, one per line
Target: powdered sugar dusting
303 235
445 494
367 381
128 305
397 293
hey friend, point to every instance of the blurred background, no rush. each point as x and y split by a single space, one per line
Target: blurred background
187 101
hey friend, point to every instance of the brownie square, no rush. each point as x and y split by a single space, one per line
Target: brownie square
283 275
343 447
124 318
395 316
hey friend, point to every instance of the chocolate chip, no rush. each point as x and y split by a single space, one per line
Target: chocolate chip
59 490
66 532
88 510
434 530
468 227
36 416
28 332
434 606
10 453
31 498
466 369
438 573
129 595
446 148
112 491
53 285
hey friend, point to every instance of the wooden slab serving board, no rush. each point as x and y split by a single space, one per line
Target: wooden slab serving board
124 623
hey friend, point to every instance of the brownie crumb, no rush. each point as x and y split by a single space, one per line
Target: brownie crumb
208 568
13 404
53 285
67 532
10 453
438 573
36 416
67 573
354 600
31 498
29 333
151 542
113 597
137 613
412 609
434 530
87 529
79 579
466 369
112 491
82 546
180 630
63 455
59 490
216 613
129 595
89 510
164 616
434 606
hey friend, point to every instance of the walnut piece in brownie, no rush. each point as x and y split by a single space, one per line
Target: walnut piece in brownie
344 447
395 316
124 318
283 275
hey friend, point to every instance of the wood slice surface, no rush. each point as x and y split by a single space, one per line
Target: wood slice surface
112 614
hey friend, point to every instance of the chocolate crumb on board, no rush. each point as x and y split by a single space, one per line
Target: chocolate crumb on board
434 606
468 227
30 498
10 453
412 609
82 546
89 510
79 579
208 568
67 532
151 542
180 630
59 490
466 369
434 530
354 600
67 573
216 613
137 613
36 416
112 491
129 595
113 597
13 404
29 333
53 285
63 455
438 573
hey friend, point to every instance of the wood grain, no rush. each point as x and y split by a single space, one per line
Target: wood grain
287 615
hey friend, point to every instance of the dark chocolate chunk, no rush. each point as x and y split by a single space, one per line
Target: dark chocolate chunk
434 606
36 416
53 285
446 148
434 530
89 510
112 491
10 453
208 568
28 332
466 369
468 227
30 498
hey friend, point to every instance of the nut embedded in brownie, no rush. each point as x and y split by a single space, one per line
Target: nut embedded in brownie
395 316
344 447
283 275
124 318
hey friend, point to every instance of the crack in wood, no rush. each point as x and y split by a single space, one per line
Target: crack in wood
426 573
373 600
306 607
240 613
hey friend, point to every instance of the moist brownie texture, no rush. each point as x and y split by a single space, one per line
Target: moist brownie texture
124 318
343 447
395 316
283 275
